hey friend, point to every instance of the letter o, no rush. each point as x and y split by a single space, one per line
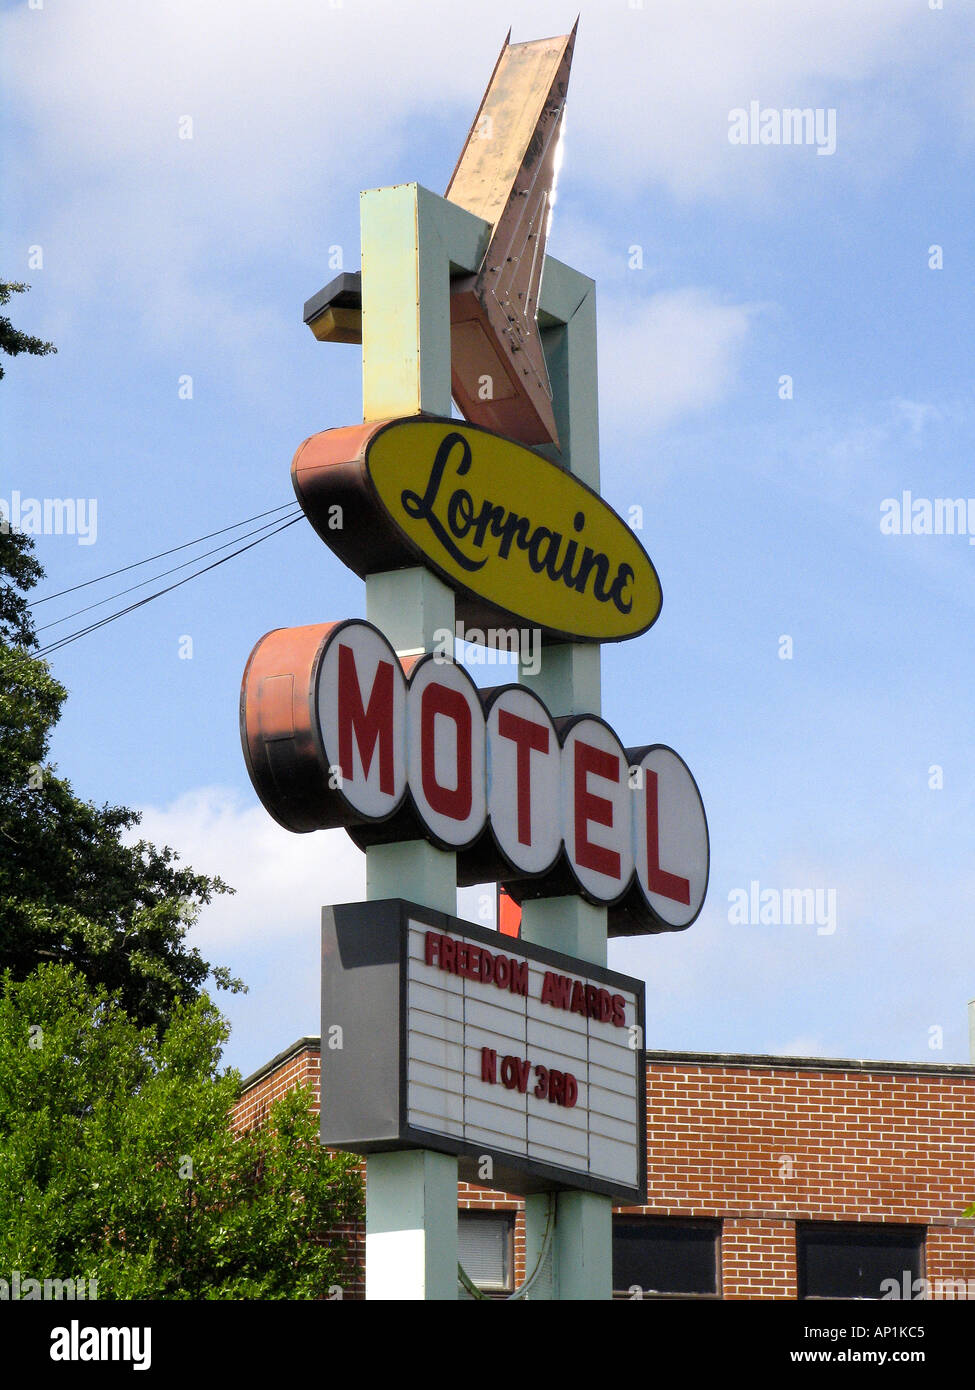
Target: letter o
445 752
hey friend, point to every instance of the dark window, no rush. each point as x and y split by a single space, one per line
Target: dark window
661 1257
485 1242
853 1261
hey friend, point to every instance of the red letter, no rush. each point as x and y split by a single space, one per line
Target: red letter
524 1068
487 967
454 802
526 735
489 1065
519 977
667 885
597 809
371 725
431 947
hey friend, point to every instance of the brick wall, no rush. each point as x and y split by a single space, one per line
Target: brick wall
300 1065
758 1257
762 1143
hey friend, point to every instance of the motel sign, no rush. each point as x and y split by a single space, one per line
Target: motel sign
464 1053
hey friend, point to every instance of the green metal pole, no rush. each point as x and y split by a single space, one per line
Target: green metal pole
409 239
411 242
569 683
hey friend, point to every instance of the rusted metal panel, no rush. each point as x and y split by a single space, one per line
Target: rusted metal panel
506 174
279 728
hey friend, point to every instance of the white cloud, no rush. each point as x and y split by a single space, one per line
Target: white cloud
282 880
670 355
917 414
668 76
199 244
295 103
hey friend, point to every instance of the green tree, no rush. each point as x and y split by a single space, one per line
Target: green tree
12 340
70 890
118 1160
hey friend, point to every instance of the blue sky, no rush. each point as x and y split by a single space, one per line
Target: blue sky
165 257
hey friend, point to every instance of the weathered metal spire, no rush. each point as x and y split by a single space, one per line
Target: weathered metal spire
506 175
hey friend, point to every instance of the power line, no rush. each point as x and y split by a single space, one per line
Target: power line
162 574
162 554
44 652
70 637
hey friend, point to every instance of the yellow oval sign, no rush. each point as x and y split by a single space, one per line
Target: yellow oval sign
501 521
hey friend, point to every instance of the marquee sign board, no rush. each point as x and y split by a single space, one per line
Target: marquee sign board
517 537
336 733
457 1039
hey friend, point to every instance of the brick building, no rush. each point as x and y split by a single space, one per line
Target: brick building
768 1177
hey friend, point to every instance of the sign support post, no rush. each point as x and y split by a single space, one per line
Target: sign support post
410 241
411 1196
569 681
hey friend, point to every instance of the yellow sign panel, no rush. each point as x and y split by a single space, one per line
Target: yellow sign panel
498 519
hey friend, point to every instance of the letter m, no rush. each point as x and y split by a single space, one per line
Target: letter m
798 126
505 639
368 726
59 516
950 515
61 1288
116 1343
798 907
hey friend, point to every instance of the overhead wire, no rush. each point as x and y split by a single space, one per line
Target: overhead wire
70 637
161 555
161 575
